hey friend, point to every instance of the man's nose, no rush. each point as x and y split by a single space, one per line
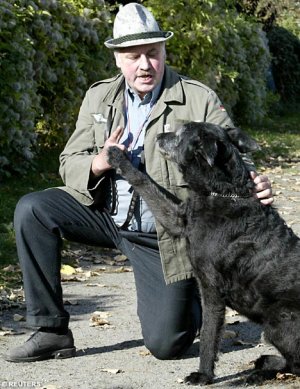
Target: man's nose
144 62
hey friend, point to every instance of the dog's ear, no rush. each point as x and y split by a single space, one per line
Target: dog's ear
242 141
206 147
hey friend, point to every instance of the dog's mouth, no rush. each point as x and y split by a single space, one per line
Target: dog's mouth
166 143
165 154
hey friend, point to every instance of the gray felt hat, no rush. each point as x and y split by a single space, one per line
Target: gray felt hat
134 25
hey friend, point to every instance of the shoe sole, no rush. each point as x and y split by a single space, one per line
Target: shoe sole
57 354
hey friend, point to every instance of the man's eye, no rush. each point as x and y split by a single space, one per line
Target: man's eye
133 57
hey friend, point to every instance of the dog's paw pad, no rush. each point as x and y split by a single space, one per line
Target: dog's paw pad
115 156
197 378
259 376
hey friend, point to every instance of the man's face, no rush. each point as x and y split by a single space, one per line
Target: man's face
142 66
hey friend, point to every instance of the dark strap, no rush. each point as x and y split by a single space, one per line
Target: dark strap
112 178
130 212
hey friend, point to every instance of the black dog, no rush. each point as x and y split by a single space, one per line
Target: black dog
243 254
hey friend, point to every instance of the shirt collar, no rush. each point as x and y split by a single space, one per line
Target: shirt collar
150 97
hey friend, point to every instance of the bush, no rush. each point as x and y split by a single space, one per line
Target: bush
219 47
70 55
18 91
285 48
50 52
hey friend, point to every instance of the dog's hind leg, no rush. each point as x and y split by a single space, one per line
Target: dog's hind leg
266 367
212 322
282 331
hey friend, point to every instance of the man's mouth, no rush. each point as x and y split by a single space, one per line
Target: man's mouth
145 77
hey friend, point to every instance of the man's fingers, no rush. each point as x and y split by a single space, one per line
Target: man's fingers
116 135
263 188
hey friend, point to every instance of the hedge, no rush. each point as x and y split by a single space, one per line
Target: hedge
218 46
50 52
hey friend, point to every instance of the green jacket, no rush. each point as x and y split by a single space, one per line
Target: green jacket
182 100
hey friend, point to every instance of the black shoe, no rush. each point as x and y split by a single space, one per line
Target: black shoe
43 345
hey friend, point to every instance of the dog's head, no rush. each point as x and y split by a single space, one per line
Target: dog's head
209 147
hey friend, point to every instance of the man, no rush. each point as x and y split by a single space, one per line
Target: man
98 207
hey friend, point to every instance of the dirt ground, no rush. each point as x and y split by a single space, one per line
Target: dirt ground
100 296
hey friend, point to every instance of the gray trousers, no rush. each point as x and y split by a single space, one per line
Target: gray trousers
170 315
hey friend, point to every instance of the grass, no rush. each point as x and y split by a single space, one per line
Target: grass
278 136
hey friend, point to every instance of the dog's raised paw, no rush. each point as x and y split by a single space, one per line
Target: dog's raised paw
115 156
197 378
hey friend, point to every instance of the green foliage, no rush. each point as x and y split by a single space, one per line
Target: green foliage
216 45
284 41
289 16
281 22
50 52
18 97
285 48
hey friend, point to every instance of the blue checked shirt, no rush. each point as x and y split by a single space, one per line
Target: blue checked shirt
137 113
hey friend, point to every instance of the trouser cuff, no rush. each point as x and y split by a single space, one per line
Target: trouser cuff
45 321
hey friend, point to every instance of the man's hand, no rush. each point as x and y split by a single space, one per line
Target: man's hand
100 164
263 189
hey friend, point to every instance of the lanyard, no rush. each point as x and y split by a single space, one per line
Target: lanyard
133 141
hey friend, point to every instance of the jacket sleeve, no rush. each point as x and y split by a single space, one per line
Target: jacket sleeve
216 113
77 156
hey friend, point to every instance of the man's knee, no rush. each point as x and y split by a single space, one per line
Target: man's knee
169 348
34 208
25 208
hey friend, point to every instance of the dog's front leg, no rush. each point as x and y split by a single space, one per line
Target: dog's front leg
166 208
213 312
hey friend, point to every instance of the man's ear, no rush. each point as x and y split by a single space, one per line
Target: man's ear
242 141
117 59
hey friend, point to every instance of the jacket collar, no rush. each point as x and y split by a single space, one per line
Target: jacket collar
172 90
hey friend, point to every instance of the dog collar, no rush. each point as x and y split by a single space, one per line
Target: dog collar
231 196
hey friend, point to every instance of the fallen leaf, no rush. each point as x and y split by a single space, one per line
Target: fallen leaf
112 371
121 269
240 342
295 199
9 268
18 317
9 331
285 376
5 333
67 270
144 353
229 334
70 302
99 318
120 258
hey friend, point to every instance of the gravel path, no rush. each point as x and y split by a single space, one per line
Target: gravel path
112 355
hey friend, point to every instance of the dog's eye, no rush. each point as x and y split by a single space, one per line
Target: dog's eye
176 143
